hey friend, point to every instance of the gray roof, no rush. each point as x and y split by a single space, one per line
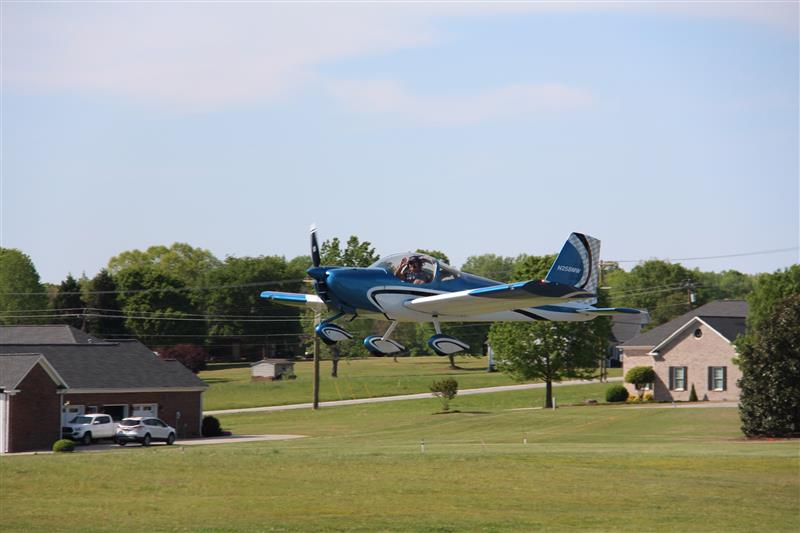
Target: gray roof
624 328
727 314
109 365
13 368
729 327
47 334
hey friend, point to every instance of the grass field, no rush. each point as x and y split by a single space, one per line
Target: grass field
231 387
592 468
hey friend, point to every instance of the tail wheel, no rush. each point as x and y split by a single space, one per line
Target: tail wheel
146 440
170 439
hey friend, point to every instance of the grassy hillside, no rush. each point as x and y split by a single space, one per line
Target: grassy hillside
358 378
598 468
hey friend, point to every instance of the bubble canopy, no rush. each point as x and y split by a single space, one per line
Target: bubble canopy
435 268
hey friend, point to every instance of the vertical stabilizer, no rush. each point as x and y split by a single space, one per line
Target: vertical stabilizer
578 264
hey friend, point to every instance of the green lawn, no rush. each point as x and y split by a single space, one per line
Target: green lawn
593 468
358 378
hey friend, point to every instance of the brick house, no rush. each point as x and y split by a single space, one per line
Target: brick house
87 375
30 406
694 349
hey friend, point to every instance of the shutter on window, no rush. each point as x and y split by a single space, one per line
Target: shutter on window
724 378
686 378
671 378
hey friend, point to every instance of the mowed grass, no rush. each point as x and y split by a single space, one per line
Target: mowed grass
591 468
231 386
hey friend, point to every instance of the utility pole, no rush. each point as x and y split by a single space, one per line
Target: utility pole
315 402
690 291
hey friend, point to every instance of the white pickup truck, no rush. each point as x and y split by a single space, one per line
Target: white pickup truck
86 428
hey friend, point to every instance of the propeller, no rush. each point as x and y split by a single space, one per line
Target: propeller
314 247
316 272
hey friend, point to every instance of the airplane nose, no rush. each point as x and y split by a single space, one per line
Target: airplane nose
318 273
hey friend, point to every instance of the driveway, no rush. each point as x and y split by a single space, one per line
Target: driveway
419 396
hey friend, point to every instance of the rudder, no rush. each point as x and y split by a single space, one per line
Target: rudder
578 263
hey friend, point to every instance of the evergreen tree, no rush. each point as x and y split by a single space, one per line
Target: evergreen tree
769 357
69 302
105 312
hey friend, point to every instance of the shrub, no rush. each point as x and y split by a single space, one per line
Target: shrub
616 393
639 376
445 390
189 355
63 445
648 397
211 427
693 394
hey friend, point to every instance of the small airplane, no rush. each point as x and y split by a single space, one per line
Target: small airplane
414 287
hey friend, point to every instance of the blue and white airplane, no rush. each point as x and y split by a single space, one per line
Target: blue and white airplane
413 287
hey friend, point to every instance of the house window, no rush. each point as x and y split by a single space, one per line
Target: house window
677 378
698 333
717 378
145 409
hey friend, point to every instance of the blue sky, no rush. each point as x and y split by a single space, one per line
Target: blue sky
667 130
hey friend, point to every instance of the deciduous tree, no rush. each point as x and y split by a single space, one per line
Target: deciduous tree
21 293
551 351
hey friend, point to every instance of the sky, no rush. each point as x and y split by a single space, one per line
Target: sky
666 129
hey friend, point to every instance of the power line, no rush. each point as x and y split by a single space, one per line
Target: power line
81 310
743 254
179 319
162 289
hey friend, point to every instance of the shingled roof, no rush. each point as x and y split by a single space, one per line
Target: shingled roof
725 316
97 364
44 334
14 368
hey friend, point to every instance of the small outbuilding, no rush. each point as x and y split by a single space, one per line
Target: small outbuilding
272 369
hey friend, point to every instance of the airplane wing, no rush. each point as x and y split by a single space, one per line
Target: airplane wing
498 298
295 299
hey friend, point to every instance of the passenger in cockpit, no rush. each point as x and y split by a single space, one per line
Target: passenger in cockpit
410 271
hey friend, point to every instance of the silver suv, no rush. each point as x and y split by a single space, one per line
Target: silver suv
144 429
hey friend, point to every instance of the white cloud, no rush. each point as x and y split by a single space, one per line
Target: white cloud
192 55
387 97
213 55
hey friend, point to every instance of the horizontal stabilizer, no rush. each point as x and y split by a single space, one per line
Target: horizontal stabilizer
295 299
640 315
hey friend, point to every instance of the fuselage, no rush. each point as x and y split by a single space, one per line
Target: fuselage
377 292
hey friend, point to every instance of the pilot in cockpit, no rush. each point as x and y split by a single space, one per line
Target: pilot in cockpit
410 271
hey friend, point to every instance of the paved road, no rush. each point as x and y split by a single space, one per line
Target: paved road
381 399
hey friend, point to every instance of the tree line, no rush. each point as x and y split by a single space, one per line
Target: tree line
168 295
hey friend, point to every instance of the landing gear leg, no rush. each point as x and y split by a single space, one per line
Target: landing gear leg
384 345
445 344
330 333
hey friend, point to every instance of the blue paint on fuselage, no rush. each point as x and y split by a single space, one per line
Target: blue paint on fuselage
348 287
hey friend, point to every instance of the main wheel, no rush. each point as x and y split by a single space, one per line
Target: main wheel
87 439
170 439
146 440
